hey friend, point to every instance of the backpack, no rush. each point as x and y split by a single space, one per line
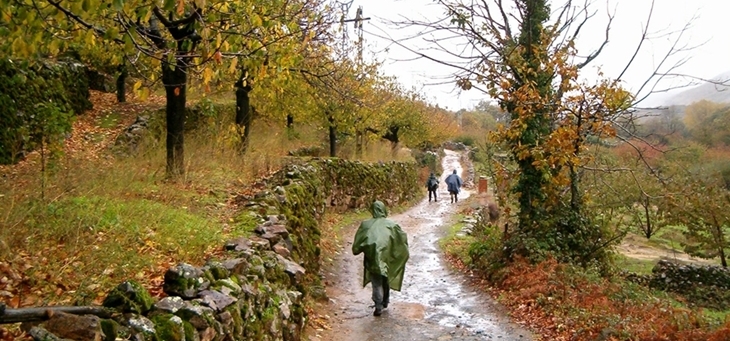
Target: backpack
433 184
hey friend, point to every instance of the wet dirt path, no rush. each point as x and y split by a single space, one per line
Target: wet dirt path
435 304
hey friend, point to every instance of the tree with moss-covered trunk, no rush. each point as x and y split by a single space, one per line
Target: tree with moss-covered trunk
536 123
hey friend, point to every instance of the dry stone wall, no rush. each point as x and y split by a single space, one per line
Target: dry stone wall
702 285
259 290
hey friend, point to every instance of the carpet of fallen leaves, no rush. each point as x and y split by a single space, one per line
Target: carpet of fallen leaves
22 284
88 141
559 304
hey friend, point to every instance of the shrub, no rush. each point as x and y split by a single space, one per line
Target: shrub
62 83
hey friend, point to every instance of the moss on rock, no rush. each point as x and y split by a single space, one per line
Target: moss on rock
129 297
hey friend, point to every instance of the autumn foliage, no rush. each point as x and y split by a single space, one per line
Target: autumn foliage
562 302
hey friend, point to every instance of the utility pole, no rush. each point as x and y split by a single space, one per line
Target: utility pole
358 20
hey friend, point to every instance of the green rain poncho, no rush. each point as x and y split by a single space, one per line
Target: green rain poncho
385 246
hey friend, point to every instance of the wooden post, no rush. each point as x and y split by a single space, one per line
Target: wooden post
483 184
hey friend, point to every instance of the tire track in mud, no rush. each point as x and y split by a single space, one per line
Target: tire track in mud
435 304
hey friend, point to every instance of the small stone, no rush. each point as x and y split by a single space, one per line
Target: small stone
141 324
295 270
74 327
282 250
170 304
40 333
259 243
236 266
129 297
225 318
272 238
216 269
184 280
208 334
277 230
198 315
216 300
227 287
239 244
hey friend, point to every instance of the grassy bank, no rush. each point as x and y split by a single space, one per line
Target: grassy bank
102 218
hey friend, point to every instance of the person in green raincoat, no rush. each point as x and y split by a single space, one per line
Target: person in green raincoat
385 246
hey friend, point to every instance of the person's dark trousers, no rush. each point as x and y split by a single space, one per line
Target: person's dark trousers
454 197
434 195
381 292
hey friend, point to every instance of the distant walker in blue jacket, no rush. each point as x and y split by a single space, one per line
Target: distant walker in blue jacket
453 183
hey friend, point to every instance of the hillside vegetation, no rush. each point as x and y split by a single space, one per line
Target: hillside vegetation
100 214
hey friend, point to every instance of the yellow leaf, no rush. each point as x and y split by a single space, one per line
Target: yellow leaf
144 93
234 62
207 75
137 85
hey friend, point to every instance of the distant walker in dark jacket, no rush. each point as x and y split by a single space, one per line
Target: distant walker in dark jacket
385 246
432 184
453 183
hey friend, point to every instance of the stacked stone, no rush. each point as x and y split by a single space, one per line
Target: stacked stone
703 286
682 277
249 296
257 292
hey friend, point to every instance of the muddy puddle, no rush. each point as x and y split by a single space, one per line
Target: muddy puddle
436 303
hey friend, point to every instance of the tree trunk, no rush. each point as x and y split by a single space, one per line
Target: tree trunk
289 121
121 89
175 81
392 135
649 227
358 144
8 315
723 259
244 118
537 126
333 135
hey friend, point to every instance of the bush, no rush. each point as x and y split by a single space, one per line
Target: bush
62 83
466 140
428 159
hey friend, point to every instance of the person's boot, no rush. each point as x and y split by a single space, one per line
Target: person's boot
378 310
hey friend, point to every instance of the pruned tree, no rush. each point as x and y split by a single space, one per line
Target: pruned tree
169 42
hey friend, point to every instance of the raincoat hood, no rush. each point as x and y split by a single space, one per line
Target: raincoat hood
378 210
385 246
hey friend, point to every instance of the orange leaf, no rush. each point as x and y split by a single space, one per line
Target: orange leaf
177 91
180 7
14 302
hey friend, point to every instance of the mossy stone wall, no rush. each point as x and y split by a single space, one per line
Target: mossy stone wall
702 285
303 191
23 85
260 289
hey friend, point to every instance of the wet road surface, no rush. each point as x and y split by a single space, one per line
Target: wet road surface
436 303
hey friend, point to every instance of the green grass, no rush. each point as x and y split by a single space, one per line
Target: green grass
455 244
670 237
638 266
716 317
106 218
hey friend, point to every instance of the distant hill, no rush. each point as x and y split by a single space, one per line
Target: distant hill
707 91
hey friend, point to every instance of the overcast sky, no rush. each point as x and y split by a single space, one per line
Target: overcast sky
706 61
